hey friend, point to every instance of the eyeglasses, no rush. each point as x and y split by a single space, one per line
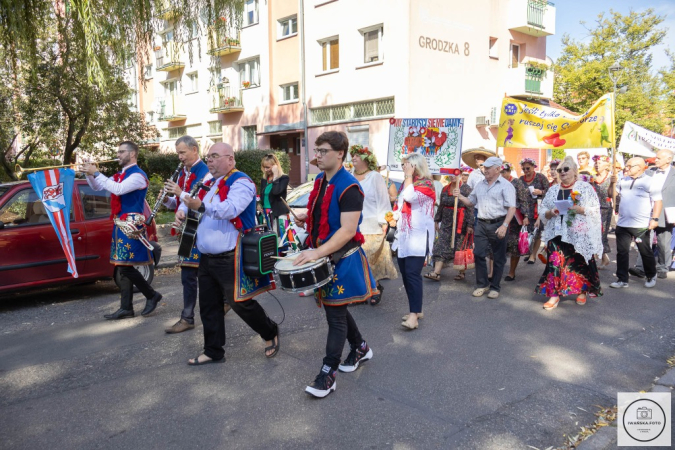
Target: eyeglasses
215 156
563 169
322 151
480 165
630 166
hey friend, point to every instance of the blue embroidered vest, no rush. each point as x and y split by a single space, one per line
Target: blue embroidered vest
133 202
342 180
247 216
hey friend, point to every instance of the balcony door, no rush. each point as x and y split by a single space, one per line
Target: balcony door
515 55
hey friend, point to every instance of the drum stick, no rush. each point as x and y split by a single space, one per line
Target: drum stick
290 209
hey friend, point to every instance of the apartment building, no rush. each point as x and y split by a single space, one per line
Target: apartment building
362 62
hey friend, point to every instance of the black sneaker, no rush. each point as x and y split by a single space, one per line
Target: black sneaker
323 384
356 356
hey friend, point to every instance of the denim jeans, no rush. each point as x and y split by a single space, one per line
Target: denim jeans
411 272
188 277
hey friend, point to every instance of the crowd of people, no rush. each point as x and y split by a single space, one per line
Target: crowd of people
358 221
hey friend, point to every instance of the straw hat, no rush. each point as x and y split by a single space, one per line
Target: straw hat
468 155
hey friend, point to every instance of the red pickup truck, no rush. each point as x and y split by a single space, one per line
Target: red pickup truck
30 253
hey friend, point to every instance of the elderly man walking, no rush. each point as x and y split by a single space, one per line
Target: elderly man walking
495 201
636 217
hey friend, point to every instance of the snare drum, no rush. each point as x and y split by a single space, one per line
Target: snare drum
307 276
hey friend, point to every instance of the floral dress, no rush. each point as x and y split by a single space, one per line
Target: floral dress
523 200
443 250
538 182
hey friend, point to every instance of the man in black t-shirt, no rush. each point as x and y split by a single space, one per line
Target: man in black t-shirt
333 217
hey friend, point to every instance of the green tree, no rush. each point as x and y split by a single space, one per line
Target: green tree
581 72
55 110
127 26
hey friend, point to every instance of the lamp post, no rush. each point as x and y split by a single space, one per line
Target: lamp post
614 76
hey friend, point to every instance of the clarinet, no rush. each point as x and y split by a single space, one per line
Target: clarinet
162 196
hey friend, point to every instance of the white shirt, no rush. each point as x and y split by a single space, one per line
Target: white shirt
475 177
133 182
419 238
660 178
637 196
375 203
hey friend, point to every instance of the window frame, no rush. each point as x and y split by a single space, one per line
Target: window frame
283 88
325 44
256 14
380 40
245 69
280 27
493 48
191 82
245 130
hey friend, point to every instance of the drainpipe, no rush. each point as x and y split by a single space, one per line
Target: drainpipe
301 29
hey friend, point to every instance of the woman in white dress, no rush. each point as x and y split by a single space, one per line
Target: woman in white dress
373 224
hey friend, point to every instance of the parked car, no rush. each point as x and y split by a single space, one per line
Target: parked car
31 254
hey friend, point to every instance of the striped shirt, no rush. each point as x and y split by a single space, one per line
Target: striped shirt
493 202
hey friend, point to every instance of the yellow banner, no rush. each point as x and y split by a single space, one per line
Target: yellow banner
529 125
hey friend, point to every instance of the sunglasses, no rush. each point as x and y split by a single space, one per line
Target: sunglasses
563 169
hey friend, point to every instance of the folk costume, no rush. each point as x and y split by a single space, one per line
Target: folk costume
189 266
228 209
128 188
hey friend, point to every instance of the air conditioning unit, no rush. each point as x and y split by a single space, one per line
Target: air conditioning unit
494 117
482 121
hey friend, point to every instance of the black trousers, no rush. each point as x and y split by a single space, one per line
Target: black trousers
130 277
341 327
624 236
216 285
411 272
485 238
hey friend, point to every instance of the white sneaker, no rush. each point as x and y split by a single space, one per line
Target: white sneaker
618 284
651 282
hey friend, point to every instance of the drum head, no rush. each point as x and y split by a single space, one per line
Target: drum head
286 265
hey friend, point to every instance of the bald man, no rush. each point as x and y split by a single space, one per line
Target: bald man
227 209
638 193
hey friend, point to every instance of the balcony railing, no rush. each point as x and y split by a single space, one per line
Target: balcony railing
529 81
168 57
533 77
170 109
225 99
532 17
535 13
220 44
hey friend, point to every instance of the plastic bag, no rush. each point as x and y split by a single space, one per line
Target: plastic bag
523 242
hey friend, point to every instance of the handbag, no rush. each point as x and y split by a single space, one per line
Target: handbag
523 242
464 258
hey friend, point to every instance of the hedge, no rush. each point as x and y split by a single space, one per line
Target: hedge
248 161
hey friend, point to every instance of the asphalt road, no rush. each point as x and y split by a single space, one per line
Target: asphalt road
477 374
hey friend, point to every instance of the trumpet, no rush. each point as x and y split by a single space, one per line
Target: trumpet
18 170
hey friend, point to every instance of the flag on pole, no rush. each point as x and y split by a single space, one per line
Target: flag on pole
55 189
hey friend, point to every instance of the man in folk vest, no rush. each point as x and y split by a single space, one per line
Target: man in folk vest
194 171
227 209
128 188
333 217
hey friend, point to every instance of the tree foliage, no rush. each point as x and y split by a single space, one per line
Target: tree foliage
128 27
582 70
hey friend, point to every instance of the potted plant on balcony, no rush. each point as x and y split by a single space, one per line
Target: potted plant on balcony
157 47
246 84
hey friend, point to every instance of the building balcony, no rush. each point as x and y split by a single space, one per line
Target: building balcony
529 81
225 99
168 57
219 45
533 17
170 109
167 10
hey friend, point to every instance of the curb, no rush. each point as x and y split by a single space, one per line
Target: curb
606 438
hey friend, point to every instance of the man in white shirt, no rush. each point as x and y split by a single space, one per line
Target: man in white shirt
636 217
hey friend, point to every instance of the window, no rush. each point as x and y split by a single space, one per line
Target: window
250 12
330 51
96 204
148 71
359 135
193 82
515 55
494 50
289 92
372 44
25 208
249 138
216 127
288 27
150 116
249 72
216 76
176 132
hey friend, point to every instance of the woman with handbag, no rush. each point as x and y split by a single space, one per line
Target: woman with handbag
513 246
443 252
274 186
414 213
573 238
373 225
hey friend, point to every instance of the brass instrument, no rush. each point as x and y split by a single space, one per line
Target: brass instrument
133 227
18 170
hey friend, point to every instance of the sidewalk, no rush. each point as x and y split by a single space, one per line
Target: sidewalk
169 246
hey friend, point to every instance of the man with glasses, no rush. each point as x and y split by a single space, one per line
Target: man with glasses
333 217
637 217
228 209
194 171
128 189
495 202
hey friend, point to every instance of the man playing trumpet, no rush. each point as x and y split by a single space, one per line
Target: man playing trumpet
128 188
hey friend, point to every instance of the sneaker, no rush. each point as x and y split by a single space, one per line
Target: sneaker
662 275
636 272
651 282
356 356
618 284
323 384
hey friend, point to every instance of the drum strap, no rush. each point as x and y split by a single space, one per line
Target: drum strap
346 250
